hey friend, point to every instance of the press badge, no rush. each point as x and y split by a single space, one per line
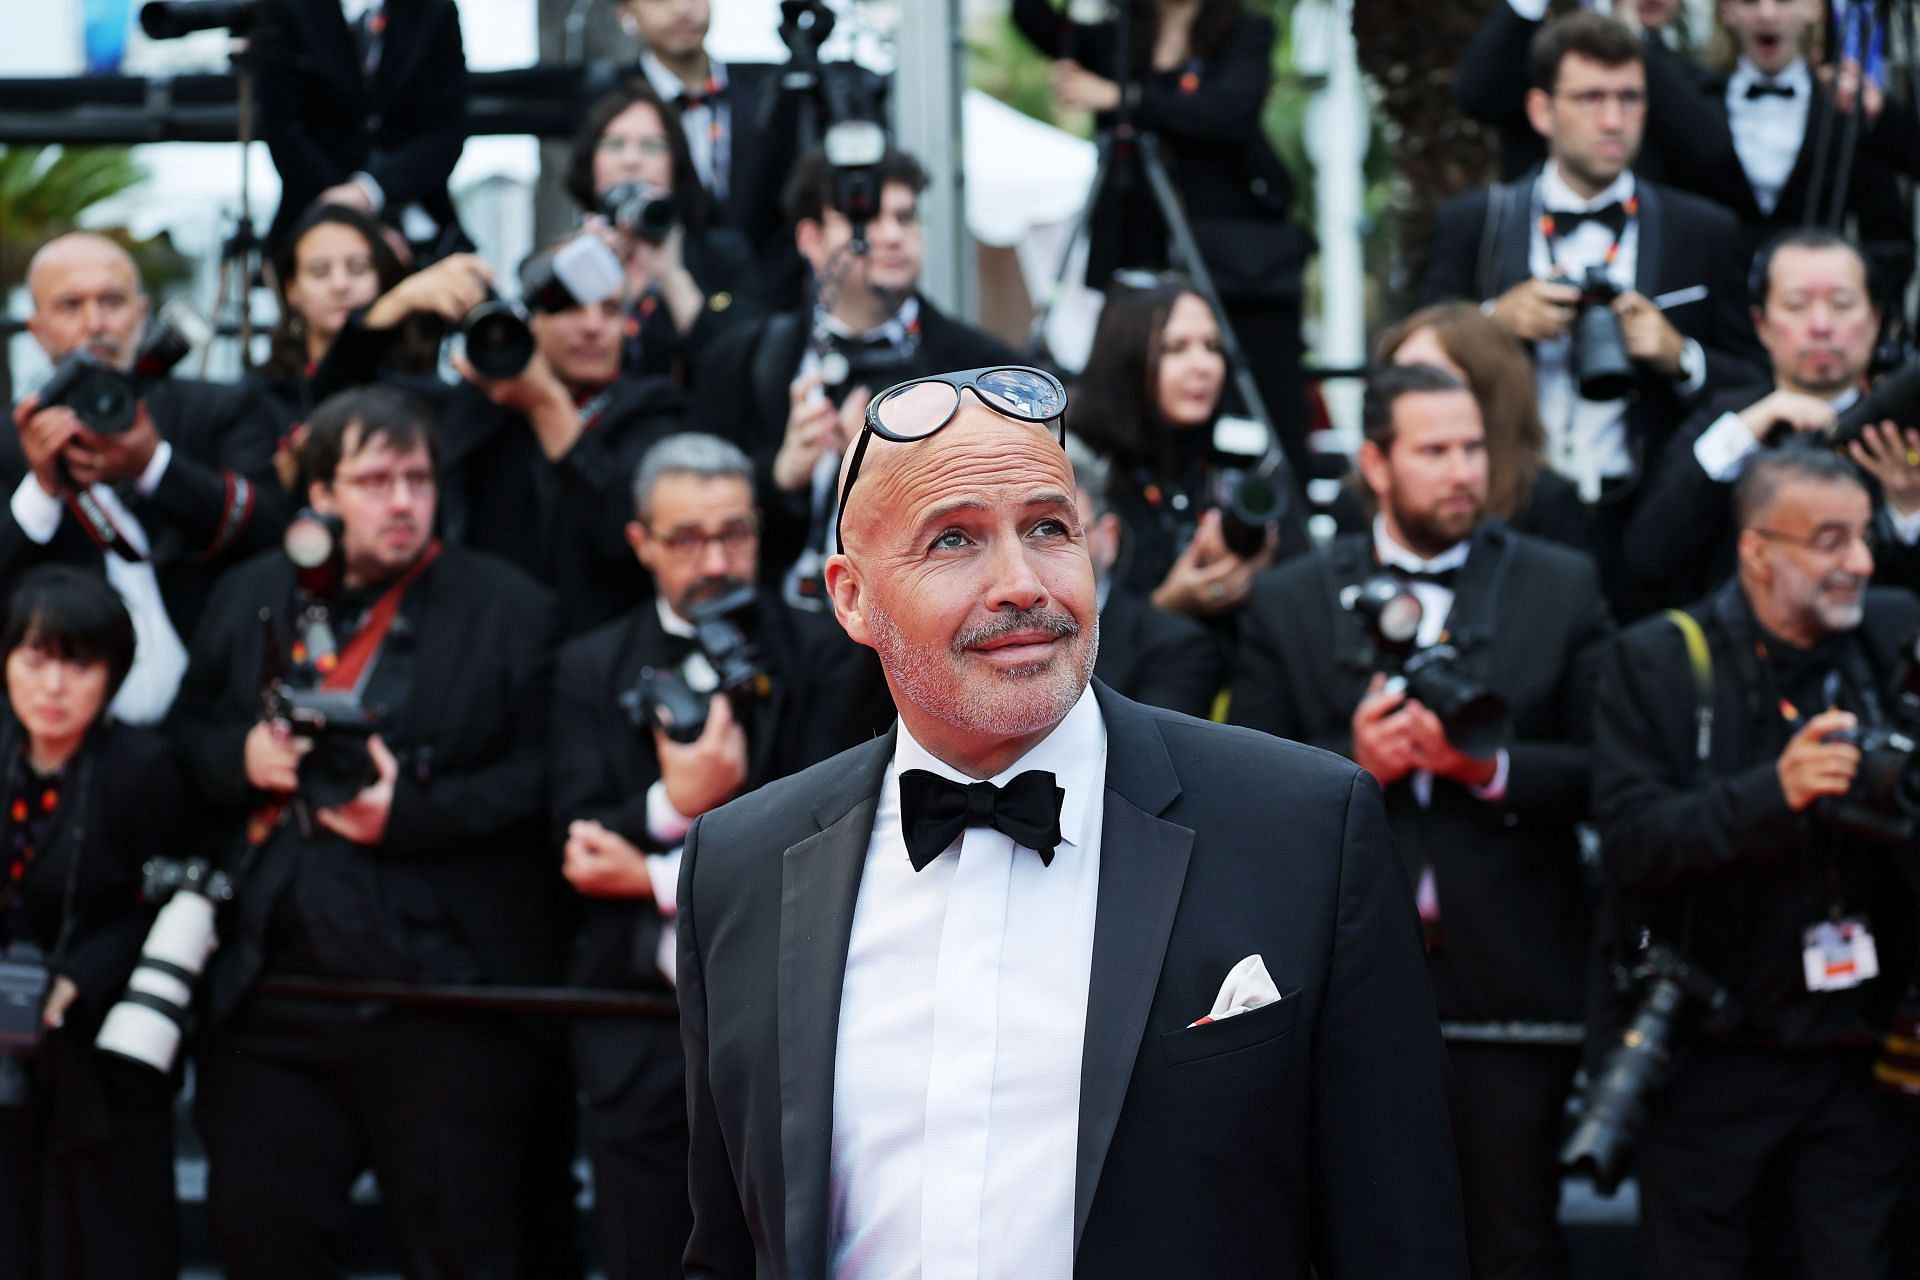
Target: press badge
1839 954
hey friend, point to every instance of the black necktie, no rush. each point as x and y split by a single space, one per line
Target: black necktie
1611 216
935 810
1768 89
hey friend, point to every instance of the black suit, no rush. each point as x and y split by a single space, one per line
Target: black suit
742 394
1482 246
1159 658
1511 940
462 883
1691 123
1706 855
827 694
218 502
324 121
1323 1118
561 521
86 1168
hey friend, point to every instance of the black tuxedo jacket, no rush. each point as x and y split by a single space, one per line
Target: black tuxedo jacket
323 121
1681 542
1688 117
561 521
469 805
741 393
1323 1118
1529 620
1481 246
827 694
1159 658
217 504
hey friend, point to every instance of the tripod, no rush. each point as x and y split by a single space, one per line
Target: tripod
242 253
1120 148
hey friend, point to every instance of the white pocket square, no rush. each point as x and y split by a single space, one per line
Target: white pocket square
1248 986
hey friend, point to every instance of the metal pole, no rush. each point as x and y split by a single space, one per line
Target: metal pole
926 94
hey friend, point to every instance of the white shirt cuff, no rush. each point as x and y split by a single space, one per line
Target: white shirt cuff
1907 527
156 468
375 192
1723 448
1531 10
664 870
1496 788
37 513
664 822
1693 364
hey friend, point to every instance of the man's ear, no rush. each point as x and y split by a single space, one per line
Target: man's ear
1540 112
849 599
806 238
320 497
641 543
1375 470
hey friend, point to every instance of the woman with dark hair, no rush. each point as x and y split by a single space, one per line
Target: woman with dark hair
1197 75
1521 488
86 1140
1149 400
687 285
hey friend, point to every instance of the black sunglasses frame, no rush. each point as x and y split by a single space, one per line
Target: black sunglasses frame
965 380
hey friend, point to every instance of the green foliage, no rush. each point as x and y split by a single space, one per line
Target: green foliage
44 191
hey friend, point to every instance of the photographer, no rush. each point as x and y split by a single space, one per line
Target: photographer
686 286
1146 654
86 1141
536 464
1197 76
791 389
1815 316
364 103
1628 293
1484 820
159 508
407 849
1718 789
625 791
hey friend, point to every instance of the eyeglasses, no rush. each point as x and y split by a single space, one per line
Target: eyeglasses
686 543
915 410
381 484
1827 540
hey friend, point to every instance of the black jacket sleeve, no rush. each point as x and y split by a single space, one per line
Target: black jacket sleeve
1457 230
227 503
586 720
1553 779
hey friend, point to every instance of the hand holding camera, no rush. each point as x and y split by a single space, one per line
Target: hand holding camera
450 288
1537 310
1209 579
709 771
603 864
363 819
1651 338
44 437
1812 766
1383 739
1888 454
272 756
815 427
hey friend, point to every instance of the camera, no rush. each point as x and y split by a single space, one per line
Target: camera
1894 398
338 766
1601 366
582 272
641 210
1883 804
106 399
1614 1108
146 1024
725 661
171 19
1474 716
1252 505
24 981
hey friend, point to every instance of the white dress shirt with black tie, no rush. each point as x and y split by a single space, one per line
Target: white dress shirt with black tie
1768 118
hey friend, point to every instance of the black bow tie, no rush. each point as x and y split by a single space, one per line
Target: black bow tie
935 810
1611 216
1769 89
1437 577
693 99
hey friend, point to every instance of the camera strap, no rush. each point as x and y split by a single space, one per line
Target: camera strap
95 521
347 675
1700 660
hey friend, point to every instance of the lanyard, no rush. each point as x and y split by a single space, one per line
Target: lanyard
1548 228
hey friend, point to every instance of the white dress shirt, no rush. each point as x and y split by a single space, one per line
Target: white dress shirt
1436 605
159 657
956 1100
699 123
1768 131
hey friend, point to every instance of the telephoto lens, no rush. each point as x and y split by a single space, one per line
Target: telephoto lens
641 210
1250 514
1601 366
499 343
1895 398
1474 716
148 1021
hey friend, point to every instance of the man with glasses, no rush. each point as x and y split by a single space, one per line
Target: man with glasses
1584 232
1046 982
416 857
626 786
1721 777
1816 318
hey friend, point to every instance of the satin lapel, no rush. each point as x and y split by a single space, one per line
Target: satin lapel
820 881
1143 864
1648 277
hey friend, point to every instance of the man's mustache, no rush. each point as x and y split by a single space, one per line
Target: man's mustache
1052 621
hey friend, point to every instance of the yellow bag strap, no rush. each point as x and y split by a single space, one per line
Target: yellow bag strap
1700 658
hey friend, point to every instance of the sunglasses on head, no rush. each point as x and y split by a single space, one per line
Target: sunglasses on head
915 410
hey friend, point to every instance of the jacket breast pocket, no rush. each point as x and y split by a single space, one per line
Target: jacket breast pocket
1242 1031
